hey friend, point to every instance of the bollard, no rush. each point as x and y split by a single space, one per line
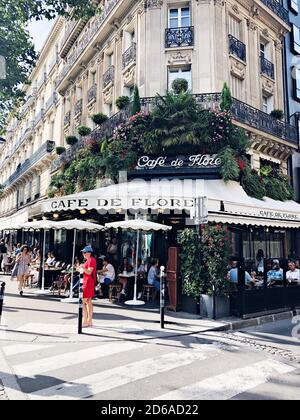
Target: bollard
2 291
162 297
80 300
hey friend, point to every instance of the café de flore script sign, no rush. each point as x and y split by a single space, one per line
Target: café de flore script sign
190 161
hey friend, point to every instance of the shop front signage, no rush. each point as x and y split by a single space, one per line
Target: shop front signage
190 161
115 204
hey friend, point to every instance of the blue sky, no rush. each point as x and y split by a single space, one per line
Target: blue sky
39 31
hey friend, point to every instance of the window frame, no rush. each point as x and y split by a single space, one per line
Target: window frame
180 17
295 45
180 72
294 9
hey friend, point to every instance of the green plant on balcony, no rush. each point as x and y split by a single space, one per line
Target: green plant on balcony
278 114
83 130
122 102
226 101
99 119
180 86
136 105
60 150
71 140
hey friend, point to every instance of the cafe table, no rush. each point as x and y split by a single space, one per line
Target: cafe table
50 275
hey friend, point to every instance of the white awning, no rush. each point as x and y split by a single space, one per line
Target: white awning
227 202
14 221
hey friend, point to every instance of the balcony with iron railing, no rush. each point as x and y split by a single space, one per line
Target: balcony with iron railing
109 77
73 28
44 150
179 37
241 112
42 81
278 9
92 93
129 56
88 37
267 68
237 48
39 117
78 107
67 119
51 101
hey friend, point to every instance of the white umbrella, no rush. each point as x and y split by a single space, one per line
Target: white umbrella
76 225
38 225
68 225
138 225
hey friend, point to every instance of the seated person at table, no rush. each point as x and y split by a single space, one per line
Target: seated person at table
233 275
50 261
125 268
153 275
107 274
275 276
293 275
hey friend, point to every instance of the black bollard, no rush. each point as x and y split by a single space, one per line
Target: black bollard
80 306
2 291
162 297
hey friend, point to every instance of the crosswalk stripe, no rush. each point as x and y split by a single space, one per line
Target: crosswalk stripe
228 385
38 367
23 348
122 375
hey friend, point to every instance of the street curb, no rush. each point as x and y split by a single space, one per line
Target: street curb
255 322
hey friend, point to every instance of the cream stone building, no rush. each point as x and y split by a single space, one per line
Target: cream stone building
86 65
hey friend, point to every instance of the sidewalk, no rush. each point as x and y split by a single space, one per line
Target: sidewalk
44 319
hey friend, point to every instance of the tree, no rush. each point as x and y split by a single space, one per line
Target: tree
16 46
136 106
226 102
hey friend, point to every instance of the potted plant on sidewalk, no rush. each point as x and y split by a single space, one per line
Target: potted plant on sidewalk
214 301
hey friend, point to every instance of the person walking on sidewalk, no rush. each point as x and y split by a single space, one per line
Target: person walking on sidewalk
89 282
23 261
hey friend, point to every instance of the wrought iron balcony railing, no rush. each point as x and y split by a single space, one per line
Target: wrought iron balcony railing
51 101
237 48
94 28
267 67
241 112
109 76
278 9
92 93
129 56
179 37
78 107
45 149
67 119
39 116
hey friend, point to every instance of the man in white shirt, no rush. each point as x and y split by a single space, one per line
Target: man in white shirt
108 274
293 275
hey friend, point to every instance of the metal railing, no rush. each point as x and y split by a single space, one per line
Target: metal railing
51 101
237 47
78 107
267 67
129 56
179 37
46 148
39 116
96 25
109 76
241 112
278 9
92 93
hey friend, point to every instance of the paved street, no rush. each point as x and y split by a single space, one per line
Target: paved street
122 358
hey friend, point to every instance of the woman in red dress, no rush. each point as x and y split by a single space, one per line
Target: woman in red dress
89 282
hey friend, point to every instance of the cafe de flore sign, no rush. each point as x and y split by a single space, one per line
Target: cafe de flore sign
168 162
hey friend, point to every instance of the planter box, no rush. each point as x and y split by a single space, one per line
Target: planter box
206 307
190 305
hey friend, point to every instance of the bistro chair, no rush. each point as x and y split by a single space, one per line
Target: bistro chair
149 292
